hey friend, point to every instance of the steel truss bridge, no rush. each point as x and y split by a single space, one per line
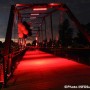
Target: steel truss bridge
38 16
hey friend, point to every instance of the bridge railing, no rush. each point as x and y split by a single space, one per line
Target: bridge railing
81 55
8 64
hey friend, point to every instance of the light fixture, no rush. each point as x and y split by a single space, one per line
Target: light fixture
54 4
39 9
18 5
34 14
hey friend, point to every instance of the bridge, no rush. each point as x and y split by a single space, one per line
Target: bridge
54 60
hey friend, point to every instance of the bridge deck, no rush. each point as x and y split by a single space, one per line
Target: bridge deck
42 71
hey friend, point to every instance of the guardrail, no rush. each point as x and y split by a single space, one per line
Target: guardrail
81 55
8 64
1 70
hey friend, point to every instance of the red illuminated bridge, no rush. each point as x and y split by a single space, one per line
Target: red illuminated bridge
41 51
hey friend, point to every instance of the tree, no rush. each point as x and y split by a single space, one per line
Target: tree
81 39
69 36
34 43
27 26
88 28
65 33
1 44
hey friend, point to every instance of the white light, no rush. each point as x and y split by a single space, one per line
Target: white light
34 14
54 4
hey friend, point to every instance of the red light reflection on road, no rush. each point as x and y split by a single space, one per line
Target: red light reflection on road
46 62
48 72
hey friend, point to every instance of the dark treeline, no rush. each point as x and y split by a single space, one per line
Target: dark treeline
14 46
66 35
66 38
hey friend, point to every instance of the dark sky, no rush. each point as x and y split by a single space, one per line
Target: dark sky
80 8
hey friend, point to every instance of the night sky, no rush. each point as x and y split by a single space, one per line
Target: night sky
80 8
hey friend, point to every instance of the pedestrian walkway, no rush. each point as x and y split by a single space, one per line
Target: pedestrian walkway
42 71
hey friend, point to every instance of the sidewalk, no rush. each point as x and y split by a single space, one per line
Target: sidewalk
42 71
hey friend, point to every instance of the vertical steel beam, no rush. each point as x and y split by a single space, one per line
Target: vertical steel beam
38 34
9 31
51 26
42 33
8 41
45 29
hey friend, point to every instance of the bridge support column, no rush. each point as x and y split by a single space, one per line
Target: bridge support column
42 33
8 41
51 28
45 28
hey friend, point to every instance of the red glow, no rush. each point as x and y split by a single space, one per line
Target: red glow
21 30
48 72
54 4
39 9
37 60
1 73
62 9
20 35
36 56
18 5
25 31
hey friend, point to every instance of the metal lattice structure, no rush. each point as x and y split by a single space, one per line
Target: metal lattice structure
36 13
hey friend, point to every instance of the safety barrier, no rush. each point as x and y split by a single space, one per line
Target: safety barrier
8 64
81 55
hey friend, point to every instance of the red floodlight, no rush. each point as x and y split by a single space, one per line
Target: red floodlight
54 4
40 9
18 5
20 35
